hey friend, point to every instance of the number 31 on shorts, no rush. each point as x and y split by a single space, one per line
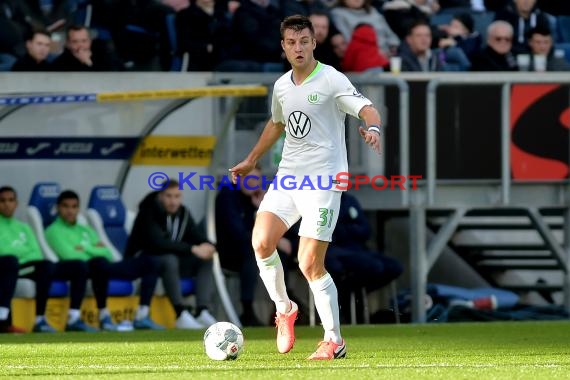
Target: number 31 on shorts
326 217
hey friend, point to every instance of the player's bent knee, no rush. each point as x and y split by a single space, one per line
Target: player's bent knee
311 270
262 247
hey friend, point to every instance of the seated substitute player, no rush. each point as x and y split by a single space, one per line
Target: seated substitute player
165 231
310 103
236 208
349 261
21 257
71 240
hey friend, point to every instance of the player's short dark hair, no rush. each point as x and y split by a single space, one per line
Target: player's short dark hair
65 195
31 34
466 19
296 23
172 184
414 24
6 189
543 30
75 28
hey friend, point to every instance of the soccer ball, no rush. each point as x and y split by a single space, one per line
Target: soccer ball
223 341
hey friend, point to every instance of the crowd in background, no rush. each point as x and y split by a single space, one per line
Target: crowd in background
243 36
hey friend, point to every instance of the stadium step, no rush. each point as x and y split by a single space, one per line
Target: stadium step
502 247
511 256
521 266
532 287
499 240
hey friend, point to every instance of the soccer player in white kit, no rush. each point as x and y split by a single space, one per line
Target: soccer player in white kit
310 103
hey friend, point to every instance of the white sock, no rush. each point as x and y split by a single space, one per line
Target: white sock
4 313
104 313
273 277
39 318
73 316
326 302
142 312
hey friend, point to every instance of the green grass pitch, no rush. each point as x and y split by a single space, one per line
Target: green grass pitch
527 350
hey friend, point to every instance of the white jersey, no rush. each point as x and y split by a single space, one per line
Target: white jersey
314 114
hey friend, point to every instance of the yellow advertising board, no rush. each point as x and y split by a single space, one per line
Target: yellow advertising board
175 151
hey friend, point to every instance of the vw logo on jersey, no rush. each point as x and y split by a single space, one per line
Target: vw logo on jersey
299 124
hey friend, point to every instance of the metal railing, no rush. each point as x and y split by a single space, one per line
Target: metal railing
422 255
506 81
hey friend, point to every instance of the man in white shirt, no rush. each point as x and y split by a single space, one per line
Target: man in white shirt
309 103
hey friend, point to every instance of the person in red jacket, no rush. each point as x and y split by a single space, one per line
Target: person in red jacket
362 52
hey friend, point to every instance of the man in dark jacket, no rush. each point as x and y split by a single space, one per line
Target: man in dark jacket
165 229
235 216
541 43
523 16
324 30
37 46
80 56
417 54
497 55
349 261
203 31
256 38
13 24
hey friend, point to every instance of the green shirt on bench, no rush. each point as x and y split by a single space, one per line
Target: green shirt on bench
17 239
65 239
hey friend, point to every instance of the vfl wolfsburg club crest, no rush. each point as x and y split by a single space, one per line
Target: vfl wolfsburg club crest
313 98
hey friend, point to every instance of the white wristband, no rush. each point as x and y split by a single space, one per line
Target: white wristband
374 128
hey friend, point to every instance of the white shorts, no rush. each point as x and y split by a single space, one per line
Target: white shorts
318 209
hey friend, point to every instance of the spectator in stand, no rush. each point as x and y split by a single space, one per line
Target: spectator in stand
51 15
235 215
554 7
541 43
28 15
79 55
447 4
21 257
236 209
417 54
349 261
523 15
362 53
339 45
496 5
428 7
497 55
38 46
72 241
350 13
203 31
256 38
165 231
301 7
323 32
460 32
400 14
13 26
139 31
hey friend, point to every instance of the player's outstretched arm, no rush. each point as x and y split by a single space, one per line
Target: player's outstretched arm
372 133
268 137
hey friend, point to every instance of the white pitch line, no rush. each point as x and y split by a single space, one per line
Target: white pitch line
232 367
